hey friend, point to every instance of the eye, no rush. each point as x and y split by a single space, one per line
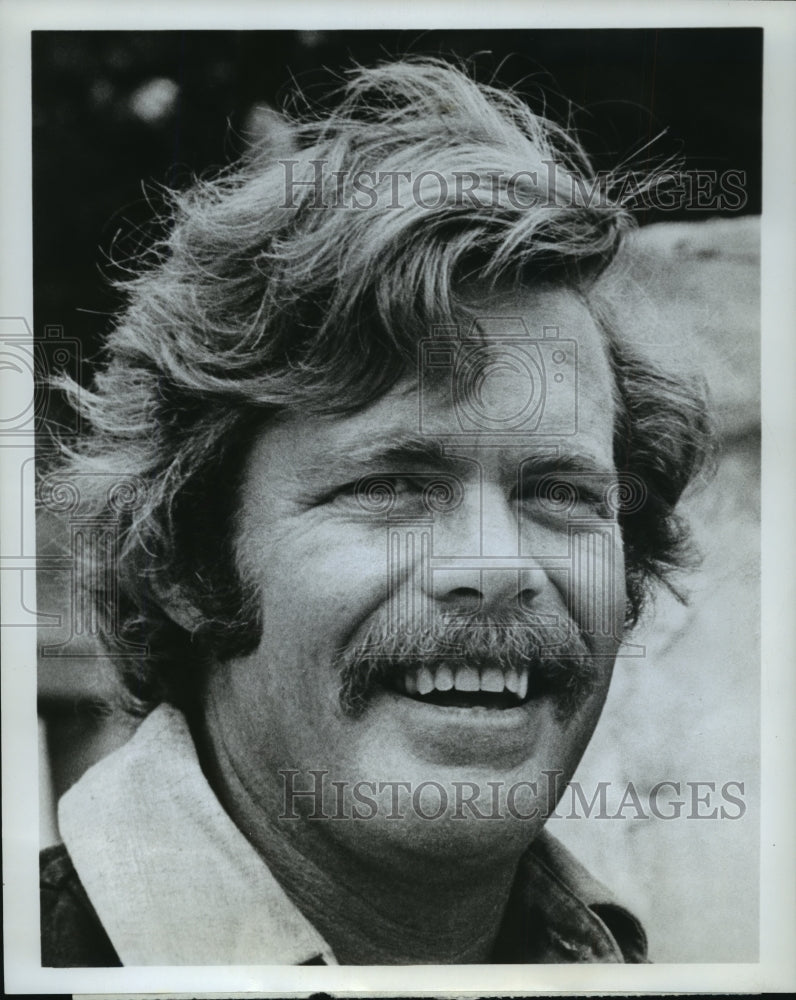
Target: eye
407 495
565 496
375 494
371 488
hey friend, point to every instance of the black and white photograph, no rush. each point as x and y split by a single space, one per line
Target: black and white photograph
382 527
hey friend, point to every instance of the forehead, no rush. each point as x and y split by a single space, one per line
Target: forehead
526 371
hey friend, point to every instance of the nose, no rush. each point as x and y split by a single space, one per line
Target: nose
475 559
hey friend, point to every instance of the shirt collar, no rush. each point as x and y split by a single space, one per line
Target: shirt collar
173 880
566 915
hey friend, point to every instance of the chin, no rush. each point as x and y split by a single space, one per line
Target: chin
419 840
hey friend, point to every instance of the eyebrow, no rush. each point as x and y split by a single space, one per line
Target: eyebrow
414 450
399 449
573 464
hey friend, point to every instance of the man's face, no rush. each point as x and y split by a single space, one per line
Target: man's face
355 565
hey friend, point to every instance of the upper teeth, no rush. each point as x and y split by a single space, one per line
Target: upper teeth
444 677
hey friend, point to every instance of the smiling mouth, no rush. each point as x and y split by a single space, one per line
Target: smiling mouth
451 686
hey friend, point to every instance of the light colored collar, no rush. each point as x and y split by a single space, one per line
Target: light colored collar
173 880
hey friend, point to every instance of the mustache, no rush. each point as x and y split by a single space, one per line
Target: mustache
557 658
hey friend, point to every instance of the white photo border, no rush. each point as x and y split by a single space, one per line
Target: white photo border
776 970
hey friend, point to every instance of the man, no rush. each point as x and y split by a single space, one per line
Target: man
406 485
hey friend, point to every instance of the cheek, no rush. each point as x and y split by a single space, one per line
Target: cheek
611 586
593 584
620 591
604 596
318 590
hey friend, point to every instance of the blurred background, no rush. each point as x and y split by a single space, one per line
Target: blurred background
118 115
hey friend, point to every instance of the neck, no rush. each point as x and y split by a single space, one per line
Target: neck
406 910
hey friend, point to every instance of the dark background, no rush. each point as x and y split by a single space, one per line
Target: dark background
115 114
